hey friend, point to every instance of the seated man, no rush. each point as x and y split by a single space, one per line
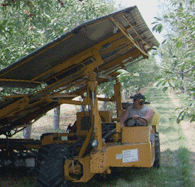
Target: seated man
137 110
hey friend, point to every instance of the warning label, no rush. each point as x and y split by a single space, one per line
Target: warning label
130 155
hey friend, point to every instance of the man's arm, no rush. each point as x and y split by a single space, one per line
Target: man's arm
148 116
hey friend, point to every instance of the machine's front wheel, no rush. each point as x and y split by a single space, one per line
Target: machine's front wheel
157 151
50 166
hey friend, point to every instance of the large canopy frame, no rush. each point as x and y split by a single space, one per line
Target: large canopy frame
61 67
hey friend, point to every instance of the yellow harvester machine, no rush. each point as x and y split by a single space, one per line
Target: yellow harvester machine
74 65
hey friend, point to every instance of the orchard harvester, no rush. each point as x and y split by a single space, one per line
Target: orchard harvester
70 66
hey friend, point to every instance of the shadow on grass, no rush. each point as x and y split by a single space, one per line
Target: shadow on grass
17 177
175 171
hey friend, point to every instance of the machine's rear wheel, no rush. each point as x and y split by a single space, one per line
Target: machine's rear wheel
50 166
157 151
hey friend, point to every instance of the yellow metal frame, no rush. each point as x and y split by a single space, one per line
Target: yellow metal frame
116 41
129 37
108 155
14 107
129 140
105 155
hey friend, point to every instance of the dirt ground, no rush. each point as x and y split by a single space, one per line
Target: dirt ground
188 130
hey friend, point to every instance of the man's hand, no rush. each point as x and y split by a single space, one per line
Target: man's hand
122 125
135 117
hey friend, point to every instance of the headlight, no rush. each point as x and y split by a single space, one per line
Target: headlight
94 143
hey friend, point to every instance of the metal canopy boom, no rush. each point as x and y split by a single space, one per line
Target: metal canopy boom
103 46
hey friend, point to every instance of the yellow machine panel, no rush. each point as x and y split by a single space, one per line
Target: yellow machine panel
136 134
97 163
134 155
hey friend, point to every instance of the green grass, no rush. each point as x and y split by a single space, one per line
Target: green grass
184 156
175 139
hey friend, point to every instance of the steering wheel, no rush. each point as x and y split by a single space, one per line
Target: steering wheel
136 124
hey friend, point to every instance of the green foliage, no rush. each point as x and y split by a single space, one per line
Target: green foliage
124 74
106 88
138 75
158 27
177 52
27 25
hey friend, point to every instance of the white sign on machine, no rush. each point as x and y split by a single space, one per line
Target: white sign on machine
130 155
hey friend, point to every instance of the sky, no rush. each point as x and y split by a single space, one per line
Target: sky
148 10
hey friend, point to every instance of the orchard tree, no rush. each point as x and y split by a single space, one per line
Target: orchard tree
138 75
177 52
28 25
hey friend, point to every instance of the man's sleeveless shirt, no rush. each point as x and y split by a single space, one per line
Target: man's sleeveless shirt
140 112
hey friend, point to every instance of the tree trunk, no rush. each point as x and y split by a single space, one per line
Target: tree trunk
56 119
104 106
27 132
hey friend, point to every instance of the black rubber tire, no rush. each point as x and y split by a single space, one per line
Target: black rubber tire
157 151
50 166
